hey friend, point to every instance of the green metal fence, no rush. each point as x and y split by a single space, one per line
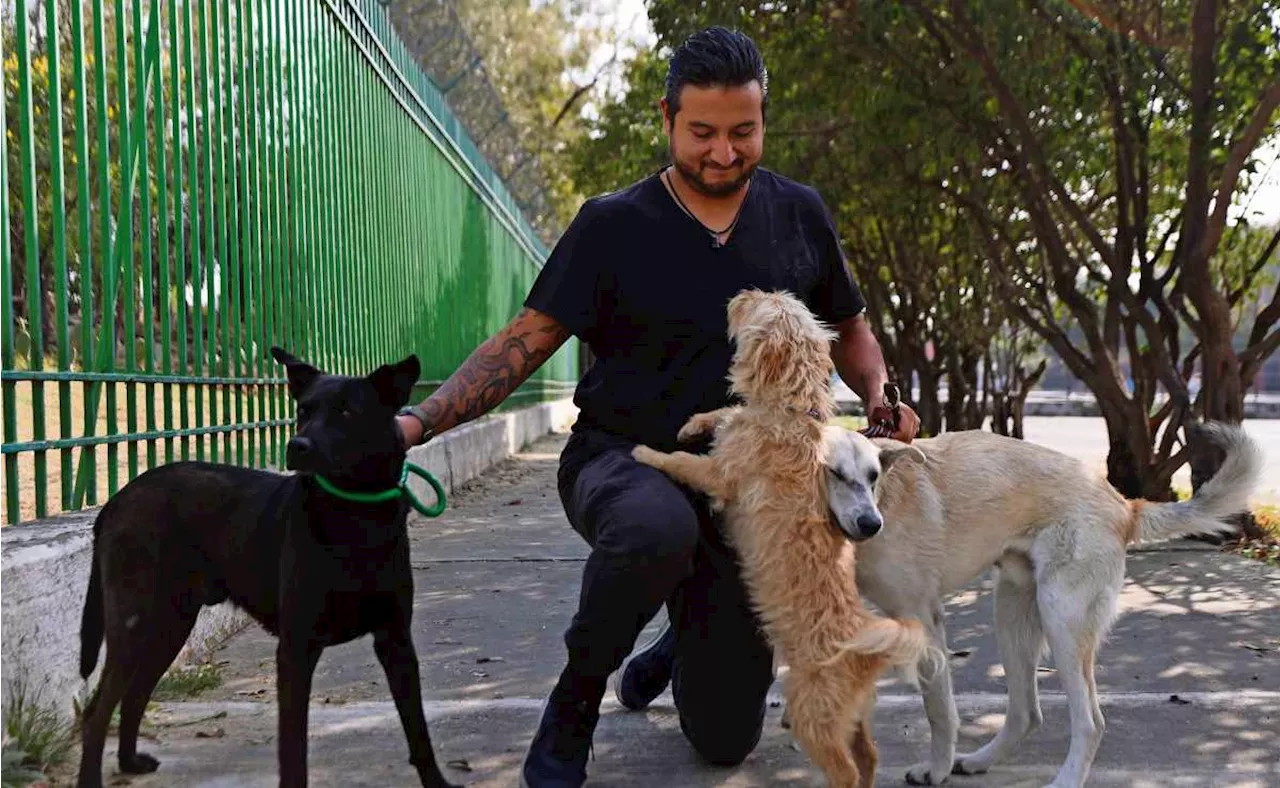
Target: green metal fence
189 183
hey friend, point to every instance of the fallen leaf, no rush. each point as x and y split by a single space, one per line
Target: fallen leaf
1260 649
482 660
460 764
216 733
1179 701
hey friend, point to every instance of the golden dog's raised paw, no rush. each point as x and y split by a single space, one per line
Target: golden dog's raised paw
647 455
697 426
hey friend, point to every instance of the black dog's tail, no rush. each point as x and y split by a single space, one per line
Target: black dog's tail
91 620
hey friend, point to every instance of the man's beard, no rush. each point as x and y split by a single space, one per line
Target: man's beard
694 179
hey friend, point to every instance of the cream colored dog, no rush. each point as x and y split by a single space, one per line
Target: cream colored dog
767 472
1056 537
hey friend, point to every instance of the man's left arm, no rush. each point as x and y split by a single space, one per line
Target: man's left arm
839 303
860 362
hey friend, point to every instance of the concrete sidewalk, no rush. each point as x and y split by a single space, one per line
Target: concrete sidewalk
497 581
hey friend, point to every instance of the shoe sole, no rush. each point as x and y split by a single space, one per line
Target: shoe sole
617 677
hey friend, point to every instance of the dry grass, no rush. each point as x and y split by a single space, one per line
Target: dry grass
1265 550
148 415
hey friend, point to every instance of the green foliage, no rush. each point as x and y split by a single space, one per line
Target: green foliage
37 738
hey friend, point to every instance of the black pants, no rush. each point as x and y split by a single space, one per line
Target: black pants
654 541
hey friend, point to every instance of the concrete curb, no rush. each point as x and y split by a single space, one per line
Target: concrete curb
44 565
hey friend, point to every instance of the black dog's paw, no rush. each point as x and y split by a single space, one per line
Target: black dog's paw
140 763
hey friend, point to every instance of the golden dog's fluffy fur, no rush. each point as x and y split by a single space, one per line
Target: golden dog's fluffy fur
766 471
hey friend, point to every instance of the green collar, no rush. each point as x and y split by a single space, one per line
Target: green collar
393 493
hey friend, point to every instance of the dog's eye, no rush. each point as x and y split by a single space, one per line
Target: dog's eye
872 478
345 413
304 412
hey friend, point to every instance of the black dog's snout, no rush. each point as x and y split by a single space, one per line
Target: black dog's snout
297 450
869 525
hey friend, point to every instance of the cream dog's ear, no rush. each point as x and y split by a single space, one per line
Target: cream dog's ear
892 452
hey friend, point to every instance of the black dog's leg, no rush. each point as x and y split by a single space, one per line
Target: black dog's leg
400 662
97 718
170 630
295 664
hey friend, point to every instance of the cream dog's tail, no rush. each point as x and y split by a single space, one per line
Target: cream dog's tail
1226 494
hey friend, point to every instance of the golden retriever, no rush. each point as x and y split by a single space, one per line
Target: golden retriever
767 472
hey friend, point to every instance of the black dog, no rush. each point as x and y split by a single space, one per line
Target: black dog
314 568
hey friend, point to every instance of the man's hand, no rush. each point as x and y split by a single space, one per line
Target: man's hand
858 359
908 423
411 430
490 373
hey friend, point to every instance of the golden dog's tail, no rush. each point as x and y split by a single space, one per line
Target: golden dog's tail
902 643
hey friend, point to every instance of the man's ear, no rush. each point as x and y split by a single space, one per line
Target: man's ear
893 452
394 382
301 374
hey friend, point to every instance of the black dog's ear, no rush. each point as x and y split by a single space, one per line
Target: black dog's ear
301 374
394 382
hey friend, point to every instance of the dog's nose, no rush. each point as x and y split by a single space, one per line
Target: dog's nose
296 450
869 525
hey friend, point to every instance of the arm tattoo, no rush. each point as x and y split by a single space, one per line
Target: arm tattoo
494 370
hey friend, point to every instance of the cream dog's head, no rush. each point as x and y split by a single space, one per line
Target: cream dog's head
782 356
854 466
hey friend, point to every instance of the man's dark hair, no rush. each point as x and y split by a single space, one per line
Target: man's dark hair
718 57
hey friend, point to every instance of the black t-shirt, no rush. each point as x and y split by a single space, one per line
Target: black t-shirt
641 283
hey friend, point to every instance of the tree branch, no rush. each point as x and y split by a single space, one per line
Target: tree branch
1236 157
1125 27
1255 269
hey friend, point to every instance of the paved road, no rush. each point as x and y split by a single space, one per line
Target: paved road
497 580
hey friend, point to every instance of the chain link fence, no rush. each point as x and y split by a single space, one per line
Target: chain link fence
435 35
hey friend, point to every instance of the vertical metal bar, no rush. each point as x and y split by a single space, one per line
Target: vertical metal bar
58 231
207 202
85 255
235 346
88 480
259 298
162 183
249 258
144 54
257 37
297 194
180 46
358 247
221 349
31 237
8 351
284 212
279 319
126 232
195 200
329 188
372 243
262 196
382 184
315 180
349 125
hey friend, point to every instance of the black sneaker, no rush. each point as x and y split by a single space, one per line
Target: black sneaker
647 672
558 756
